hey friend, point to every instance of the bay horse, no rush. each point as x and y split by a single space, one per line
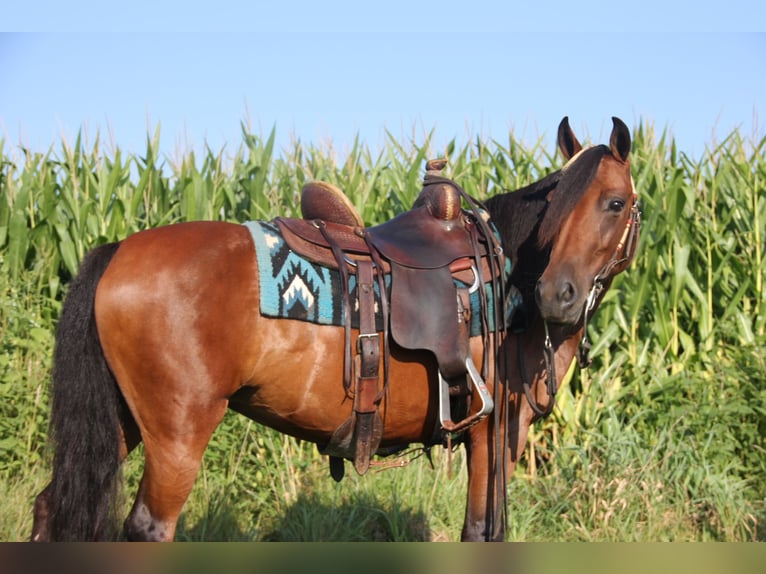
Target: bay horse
161 333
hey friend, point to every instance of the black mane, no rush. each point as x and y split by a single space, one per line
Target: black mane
517 216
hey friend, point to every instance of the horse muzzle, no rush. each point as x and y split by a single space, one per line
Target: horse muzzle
560 301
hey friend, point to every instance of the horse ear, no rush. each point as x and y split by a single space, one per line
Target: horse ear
619 141
568 143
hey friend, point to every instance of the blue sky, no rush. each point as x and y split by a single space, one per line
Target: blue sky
328 71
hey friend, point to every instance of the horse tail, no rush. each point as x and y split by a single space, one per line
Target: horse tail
85 416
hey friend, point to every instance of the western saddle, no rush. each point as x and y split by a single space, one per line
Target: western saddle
435 255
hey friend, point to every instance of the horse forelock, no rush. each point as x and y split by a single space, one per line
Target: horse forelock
576 177
575 157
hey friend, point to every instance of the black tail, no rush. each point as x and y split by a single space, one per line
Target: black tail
84 416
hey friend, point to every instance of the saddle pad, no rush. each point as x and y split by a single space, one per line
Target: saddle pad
292 287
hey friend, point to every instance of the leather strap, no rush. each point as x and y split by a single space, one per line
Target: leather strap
368 342
343 272
366 395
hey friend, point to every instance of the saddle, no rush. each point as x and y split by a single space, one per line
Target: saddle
425 263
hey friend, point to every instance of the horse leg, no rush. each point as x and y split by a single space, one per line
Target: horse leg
484 513
40 529
171 465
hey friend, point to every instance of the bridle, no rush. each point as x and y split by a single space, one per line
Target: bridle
623 254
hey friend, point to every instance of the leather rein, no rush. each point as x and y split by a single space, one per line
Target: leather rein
623 254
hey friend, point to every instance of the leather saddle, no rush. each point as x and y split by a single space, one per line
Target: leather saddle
429 253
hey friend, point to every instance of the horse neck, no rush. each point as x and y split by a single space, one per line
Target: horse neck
566 341
531 343
517 216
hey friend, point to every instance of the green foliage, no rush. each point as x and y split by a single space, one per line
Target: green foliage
26 348
663 438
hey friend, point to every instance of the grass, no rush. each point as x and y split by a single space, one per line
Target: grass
663 438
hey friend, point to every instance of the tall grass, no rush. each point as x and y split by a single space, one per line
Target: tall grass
661 439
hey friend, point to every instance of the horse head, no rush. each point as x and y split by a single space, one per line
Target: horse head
590 226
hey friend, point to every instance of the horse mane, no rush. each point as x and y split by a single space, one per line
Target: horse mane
517 216
529 218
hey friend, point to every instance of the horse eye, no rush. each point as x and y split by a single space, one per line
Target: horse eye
616 205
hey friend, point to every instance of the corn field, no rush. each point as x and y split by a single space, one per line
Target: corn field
662 438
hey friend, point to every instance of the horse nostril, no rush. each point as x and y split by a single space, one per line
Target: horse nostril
563 294
567 293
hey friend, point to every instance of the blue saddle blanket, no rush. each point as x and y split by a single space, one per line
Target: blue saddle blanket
293 287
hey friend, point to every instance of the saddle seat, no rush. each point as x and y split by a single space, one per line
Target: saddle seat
424 250
324 201
431 235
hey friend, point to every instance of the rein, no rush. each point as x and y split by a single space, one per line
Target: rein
623 253
549 354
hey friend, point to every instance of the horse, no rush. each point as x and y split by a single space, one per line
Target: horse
161 333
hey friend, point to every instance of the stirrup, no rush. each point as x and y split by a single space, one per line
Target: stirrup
487 404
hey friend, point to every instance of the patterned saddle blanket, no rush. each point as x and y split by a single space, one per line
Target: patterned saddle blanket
293 287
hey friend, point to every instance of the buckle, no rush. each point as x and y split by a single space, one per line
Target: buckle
361 336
